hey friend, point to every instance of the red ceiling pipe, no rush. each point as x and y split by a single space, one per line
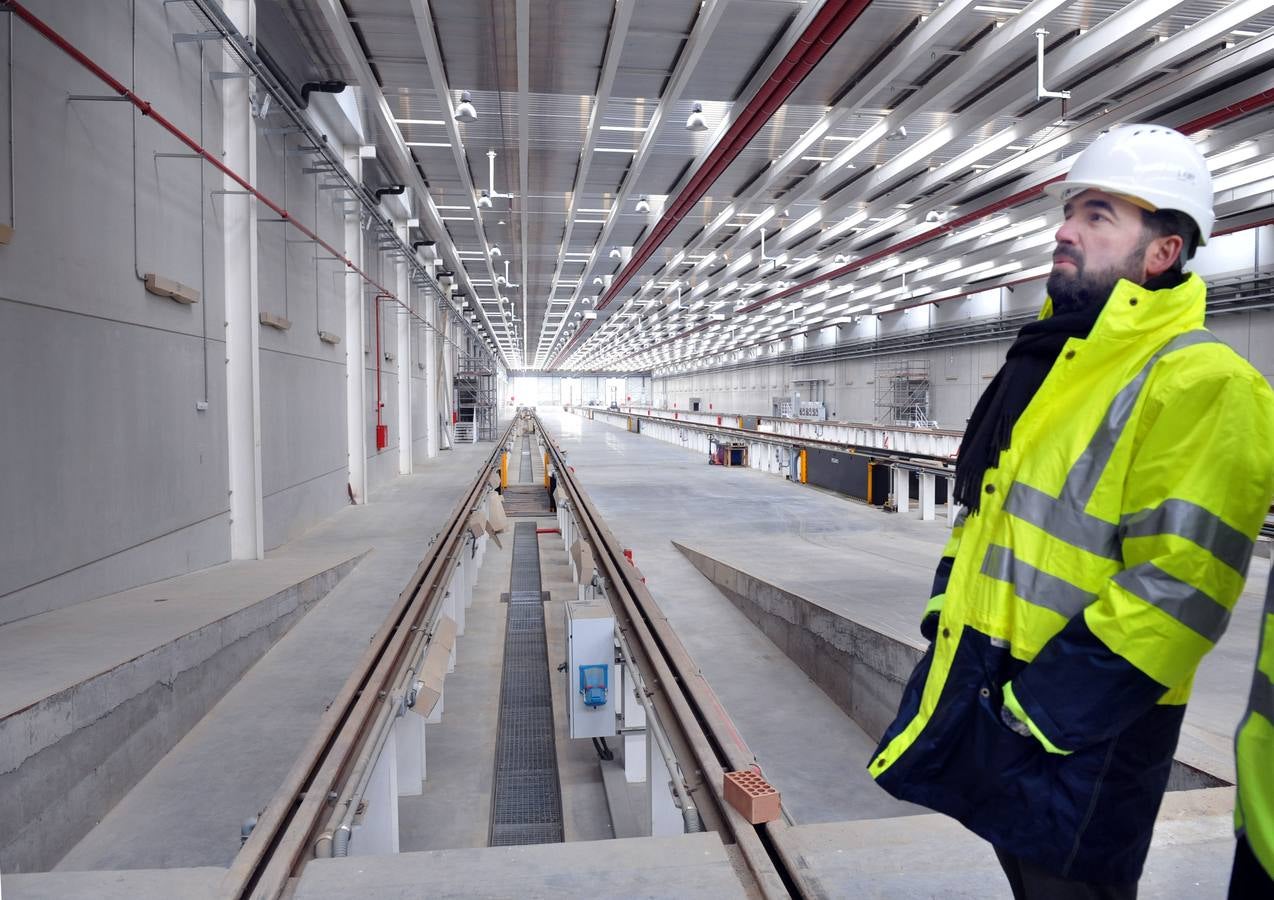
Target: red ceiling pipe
1211 120
46 31
832 21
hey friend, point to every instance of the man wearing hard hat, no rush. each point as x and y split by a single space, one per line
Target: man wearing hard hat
1113 478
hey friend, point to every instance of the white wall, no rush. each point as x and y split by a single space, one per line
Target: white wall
555 390
304 469
111 477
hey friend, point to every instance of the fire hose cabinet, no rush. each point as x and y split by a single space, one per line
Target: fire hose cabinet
590 656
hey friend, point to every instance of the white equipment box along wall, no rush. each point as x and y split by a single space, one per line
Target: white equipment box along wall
591 679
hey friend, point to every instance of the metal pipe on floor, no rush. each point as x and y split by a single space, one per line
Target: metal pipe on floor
689 812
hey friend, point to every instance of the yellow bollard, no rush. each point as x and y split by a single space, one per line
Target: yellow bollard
504 470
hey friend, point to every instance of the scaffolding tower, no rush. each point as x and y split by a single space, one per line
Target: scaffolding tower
475 397
902 392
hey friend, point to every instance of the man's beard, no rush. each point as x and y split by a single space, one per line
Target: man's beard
1088 290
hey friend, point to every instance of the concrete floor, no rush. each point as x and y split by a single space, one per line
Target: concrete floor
188 811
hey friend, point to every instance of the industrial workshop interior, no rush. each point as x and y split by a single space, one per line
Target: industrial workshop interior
636 448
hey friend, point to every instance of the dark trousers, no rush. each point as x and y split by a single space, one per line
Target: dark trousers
1030 882
1248 878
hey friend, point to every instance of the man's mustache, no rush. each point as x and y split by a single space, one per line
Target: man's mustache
1063 252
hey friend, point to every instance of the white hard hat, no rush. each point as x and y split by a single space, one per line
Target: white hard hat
1158 166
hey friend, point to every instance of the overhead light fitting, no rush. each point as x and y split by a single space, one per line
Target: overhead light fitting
643 204
898 134
322 87
484 199
695 121
465 111
495 251
615 254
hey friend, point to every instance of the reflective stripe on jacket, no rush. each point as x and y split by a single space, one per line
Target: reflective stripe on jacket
1111 544
1254 750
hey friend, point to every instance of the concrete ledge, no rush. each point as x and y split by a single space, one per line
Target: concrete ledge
863 670
692 865
93 696
934 856
130 884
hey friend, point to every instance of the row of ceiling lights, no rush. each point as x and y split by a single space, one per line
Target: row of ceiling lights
466 112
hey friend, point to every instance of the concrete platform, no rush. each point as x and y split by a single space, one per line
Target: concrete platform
93 695
694 865
187 811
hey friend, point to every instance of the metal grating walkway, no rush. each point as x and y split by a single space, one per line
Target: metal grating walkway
526 801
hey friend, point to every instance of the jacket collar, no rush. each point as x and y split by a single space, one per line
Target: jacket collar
1133 311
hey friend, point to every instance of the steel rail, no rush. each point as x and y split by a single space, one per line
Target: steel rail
286 833
939 465
708 745
634 409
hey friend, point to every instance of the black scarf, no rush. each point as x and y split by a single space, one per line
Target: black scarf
1026 365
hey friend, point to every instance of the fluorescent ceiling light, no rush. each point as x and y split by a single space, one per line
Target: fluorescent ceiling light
419 121
593 210
613 150
456 218
451 207
638 128
818 158
1004 10
426 143
590 221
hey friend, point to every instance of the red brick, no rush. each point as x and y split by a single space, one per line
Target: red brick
753 796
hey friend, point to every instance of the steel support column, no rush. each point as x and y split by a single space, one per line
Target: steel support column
243 375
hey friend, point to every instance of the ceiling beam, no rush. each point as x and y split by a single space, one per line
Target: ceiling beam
390 137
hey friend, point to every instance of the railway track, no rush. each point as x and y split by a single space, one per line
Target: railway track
322 790
317 799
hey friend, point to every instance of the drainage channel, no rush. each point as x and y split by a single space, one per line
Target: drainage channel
526 802
526 472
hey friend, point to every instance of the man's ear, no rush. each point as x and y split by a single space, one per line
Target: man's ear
1162 253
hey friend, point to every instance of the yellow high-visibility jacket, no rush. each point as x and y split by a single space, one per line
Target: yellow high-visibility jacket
1254 750
1111 544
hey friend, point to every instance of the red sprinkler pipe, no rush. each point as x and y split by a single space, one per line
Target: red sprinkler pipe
146 109
379 403
832 21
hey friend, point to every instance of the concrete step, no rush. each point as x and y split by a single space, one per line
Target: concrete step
93 695
132 884
933 856
692 865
